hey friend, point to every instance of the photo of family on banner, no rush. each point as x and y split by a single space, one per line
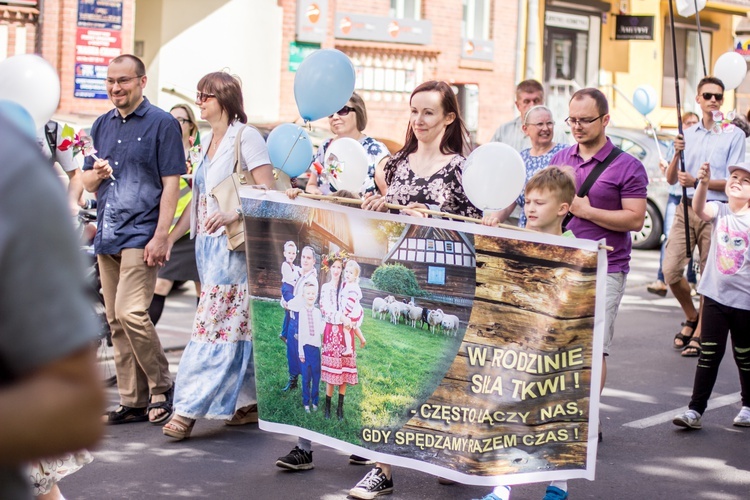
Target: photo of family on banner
464 351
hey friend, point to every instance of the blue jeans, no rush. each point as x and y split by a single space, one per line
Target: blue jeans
310 375
672 204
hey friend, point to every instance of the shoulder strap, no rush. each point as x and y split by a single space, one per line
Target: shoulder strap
598 170
245 177
50 131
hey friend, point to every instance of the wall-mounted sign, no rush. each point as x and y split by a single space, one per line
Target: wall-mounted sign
634 27
312 20
104 14
382 29
565 20
98 41
297 53
742 45
480 50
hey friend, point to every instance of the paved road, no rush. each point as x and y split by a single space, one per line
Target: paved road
643 455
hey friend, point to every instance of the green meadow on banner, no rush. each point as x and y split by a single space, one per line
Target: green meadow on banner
468 352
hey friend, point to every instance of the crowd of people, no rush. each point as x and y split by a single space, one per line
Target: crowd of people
157 225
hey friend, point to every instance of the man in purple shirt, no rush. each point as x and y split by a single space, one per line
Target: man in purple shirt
615 204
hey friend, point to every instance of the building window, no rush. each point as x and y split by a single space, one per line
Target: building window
431 245
406 9
476 19
449 246
689 66
436 275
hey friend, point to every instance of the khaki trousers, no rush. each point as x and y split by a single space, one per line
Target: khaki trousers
128 287
675 257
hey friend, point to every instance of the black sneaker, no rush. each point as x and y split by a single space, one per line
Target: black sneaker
357 460
297 459
372 485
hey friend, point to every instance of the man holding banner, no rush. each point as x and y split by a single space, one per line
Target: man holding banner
614 205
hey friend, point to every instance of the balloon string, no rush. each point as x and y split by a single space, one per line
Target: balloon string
290 150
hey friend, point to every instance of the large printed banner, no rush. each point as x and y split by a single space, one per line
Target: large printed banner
468 352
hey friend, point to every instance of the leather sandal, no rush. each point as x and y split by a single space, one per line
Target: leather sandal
165 405
245 415
685 339
692 350
178 428
125 415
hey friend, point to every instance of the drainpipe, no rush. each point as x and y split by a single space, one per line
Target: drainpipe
532 40
39 24
520 42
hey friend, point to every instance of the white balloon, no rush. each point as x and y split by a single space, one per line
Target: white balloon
33 83
731 69
353 161
494 176
686 8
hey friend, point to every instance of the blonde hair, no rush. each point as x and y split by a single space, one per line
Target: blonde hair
357 270
290 244
558 180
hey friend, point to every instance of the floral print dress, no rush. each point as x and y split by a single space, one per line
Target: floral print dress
533 165
443 189
215 376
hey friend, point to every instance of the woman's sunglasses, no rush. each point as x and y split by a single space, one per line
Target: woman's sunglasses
202 97
343 111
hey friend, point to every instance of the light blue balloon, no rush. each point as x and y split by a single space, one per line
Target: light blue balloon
290 149
323 84
644 99
18 115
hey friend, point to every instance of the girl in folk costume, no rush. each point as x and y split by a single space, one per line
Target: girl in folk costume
349 303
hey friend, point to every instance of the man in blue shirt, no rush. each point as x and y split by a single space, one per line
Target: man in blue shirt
721 148
136 181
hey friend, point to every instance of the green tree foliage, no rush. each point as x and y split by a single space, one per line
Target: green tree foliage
398 279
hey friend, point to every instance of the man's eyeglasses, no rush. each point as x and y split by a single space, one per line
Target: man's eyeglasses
121 81
343 111
202 97
183 121
541 125
574 122
708 95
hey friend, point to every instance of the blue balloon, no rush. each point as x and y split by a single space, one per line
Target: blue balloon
290 149
644 99
323 84
18 115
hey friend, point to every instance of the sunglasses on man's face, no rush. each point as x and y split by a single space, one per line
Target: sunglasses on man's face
708 95
343 111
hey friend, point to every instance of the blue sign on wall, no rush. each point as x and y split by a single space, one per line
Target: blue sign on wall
102 14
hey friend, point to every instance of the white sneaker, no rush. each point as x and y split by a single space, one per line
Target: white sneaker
743 417
691 419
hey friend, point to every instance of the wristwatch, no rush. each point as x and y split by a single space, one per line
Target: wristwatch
239 212
695 184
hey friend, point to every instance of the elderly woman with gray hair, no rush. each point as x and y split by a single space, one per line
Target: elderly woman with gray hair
539 126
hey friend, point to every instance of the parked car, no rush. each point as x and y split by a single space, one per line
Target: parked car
641 145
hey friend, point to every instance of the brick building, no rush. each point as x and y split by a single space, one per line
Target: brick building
178 40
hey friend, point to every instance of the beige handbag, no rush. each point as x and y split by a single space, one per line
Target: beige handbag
227 195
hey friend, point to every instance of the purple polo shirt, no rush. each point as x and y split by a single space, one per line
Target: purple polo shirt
624 178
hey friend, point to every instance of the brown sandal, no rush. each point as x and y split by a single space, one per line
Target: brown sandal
178 427
685 339
245 415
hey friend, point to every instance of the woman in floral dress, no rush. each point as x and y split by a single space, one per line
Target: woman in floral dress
215 378
539 125
426 173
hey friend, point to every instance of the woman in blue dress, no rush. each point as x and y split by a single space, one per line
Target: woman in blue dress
540 127
215 378
349 121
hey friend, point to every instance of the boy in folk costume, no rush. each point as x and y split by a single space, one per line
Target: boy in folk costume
310 334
